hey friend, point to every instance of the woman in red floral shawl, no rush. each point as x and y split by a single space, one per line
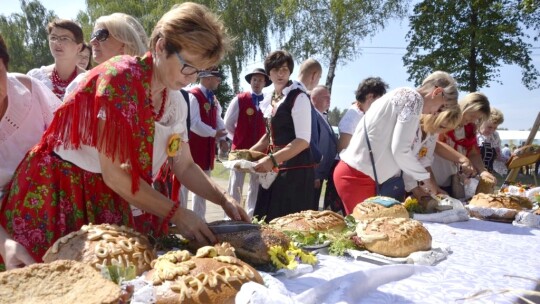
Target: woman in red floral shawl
475 108
110 138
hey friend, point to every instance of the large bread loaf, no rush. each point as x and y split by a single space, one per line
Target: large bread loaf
393 237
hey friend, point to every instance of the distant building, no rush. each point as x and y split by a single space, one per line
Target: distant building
515 138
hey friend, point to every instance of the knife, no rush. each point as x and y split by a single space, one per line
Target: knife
232 228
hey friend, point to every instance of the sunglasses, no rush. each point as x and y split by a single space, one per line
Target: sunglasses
100 35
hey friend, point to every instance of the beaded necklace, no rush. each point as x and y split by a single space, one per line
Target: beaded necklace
276 98
159 115
59 85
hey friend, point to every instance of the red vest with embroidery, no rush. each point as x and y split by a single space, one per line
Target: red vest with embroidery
203 149
250 124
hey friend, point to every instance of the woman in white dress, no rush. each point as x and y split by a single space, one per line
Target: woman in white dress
65 43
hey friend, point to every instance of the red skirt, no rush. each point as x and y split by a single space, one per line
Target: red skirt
49 198
352 186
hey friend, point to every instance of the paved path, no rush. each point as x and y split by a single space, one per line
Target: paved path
213 211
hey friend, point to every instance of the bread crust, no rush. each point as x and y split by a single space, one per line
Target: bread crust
367 210
309 220
252 245
513 204
59 282
249 155
393 237
205 278
104 245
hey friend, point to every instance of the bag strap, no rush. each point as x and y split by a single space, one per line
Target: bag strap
371 157
186 98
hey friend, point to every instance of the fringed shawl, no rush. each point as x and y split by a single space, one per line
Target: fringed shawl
119 91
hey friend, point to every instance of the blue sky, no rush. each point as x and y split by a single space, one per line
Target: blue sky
519 105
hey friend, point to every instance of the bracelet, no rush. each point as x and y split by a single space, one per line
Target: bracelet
273 159
171 213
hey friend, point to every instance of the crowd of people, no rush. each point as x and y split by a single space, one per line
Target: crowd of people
87 141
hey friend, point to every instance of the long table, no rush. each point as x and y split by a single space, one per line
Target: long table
487 259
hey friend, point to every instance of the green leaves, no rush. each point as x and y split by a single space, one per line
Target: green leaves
119 274
470 40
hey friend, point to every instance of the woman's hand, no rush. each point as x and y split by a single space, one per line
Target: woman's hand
233 209
485 175
429 187
264 165
467 168
192 227
15 255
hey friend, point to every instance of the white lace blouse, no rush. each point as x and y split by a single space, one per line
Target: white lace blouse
28 114
392 123
172 122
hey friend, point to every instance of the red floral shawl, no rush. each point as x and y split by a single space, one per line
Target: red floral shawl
119 90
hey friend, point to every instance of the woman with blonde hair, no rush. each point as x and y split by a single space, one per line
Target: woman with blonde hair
109 139
475 109
426 144
490 143
114 34
390 126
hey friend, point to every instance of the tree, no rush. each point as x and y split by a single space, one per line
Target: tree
469 39
335 115
247 21
531 15
331 30
26 36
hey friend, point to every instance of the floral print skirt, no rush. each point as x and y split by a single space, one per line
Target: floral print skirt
49 198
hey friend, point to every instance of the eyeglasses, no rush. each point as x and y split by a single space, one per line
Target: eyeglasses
60 39
188 69
100 35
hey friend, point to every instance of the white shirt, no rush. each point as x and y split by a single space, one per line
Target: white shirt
231 116
197 125
392 123
350 120
301 110
172 122
27 116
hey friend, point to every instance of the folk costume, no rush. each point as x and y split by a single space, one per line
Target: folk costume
58 187
292 190
463 140
205 121
245 125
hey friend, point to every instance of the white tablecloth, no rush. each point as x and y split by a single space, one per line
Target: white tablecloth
487 257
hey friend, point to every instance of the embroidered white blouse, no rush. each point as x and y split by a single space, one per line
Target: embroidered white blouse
392 123
28 114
